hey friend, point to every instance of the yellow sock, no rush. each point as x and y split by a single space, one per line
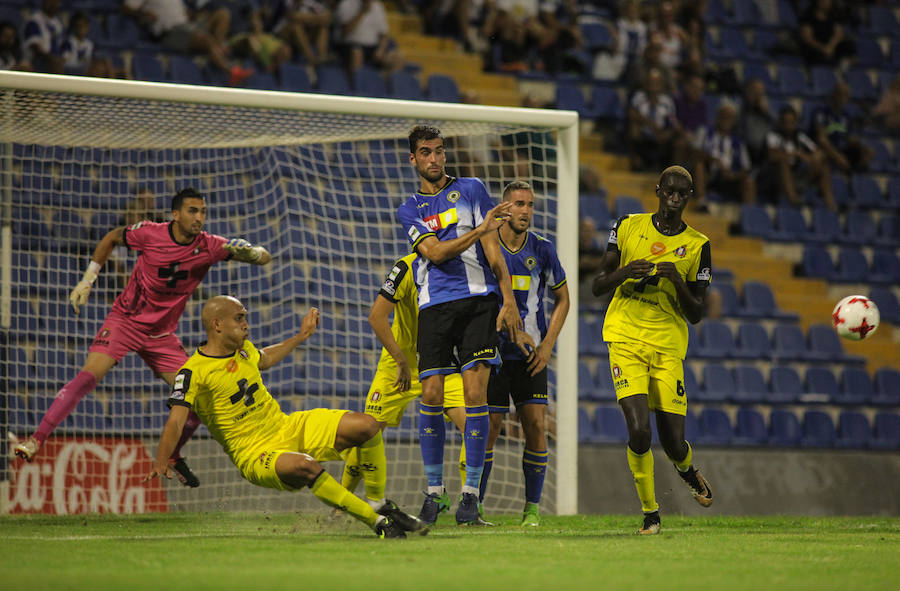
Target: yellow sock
333 494
373 464
462 464
685 464
642 468
352 474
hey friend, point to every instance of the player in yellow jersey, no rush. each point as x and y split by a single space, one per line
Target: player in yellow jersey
396 382
660 270
221 382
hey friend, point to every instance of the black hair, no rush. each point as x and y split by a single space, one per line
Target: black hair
187 193
420 133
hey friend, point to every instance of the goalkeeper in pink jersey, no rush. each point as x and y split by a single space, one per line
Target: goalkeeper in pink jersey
173 259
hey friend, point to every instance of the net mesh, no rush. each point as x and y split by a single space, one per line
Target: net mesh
320 191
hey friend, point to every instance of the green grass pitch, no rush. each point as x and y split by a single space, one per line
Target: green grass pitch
260 551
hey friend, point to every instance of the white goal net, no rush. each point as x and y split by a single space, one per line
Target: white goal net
316 180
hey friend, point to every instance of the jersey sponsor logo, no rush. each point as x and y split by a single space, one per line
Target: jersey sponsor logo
521 282
231 366
181 385
104 333
389 287
423 204
413 233
244 354
133 227
681 251
530 262
704 274
445 219
394 272
490 351
453 196
657 248
613 237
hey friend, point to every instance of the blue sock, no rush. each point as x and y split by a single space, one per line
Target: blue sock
477 425
431 439
534 466
486 473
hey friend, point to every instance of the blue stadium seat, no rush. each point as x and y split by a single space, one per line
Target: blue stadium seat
122 33
405 86
840 187
750 428
817 263
691 387
607 104
885 267
691 425
603 379
731 304
882 161
626 205
759 302
825 345
852 266
887 303
367 81
868 53
882 21
733 43
791 81
822 81
755 221
570 98
746 13
442 88
765 42
596 36
886 434
715 12
784 429
594 207
818 429
821 385
785 386
716 340
887 387
260 80
790 226
718 384
147 68
753 342
585 426
826 226
294 78
609 425
861 87
183 69
749 385
332 80
888 231
587 389
759 71
857 387
859 228
866 192
853 430
715 427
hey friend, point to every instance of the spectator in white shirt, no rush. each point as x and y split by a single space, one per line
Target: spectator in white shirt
364 36
44 37
78 51
722 162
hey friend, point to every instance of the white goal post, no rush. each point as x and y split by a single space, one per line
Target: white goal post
314 178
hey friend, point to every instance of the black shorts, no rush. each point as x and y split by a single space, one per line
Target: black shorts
467 326
513 380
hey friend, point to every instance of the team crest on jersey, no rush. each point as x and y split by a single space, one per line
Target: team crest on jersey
530 262
453 196
104 333
681 251
376 396
617 371
244 354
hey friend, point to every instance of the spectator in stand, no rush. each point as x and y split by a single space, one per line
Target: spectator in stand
44 38
629 42
834 130
670 35
690 105
266 49
78 51
10 53
654 136
558 40
721 161
306 25
887 111
756 120
364 36
794 163
590 251
509 38
822 40
168 21
692 19
651 60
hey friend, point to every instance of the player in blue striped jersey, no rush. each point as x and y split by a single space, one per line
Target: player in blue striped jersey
534 267
451 223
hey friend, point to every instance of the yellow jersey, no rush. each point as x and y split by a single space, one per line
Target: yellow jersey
400 288
230 398
647 309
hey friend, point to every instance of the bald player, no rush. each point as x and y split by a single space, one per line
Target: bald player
221 382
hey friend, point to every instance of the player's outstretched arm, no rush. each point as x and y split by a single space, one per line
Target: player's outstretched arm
542 352
380 320
438 251
80 293
167 442
243 250
275 353
508 319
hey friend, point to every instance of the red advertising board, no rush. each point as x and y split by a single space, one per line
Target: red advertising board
86 475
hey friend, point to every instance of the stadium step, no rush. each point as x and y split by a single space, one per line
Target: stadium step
403 24
413 43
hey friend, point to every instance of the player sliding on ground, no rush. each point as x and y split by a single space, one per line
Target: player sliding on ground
174 258
396 380
451 224
660 269
534 267
221 382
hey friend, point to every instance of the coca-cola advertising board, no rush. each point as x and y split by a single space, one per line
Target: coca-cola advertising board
86 475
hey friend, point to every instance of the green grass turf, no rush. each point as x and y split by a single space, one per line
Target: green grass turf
290 551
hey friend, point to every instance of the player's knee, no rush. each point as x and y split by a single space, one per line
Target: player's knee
360 428
639 440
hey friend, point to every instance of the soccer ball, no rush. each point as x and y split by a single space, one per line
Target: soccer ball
855 317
